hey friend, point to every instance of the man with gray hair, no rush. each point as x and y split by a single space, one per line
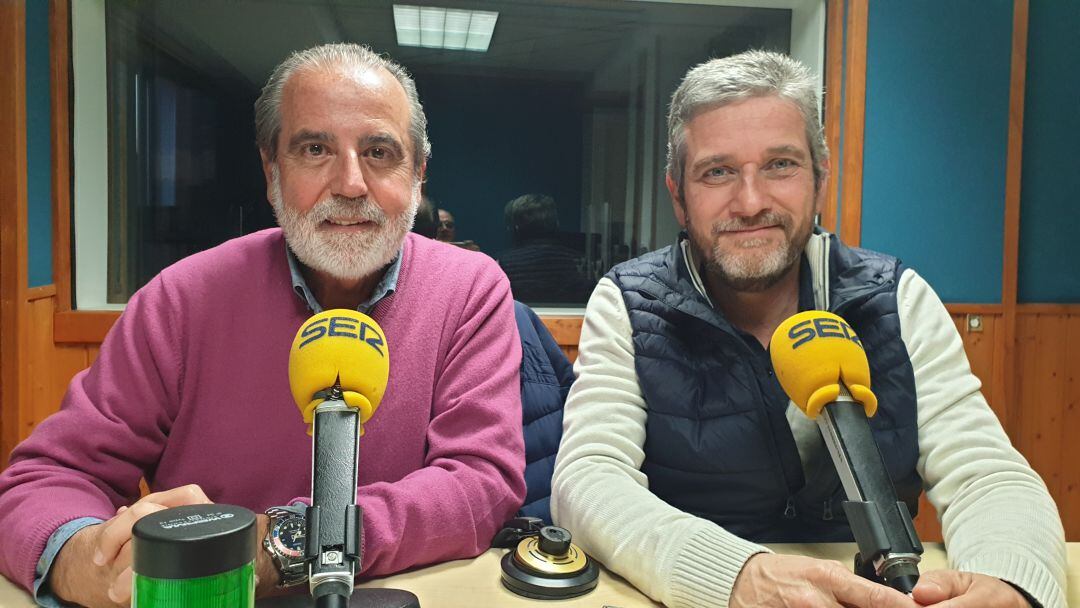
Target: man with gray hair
681 452
190 391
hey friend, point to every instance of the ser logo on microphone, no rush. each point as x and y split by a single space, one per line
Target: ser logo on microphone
342 327
821 327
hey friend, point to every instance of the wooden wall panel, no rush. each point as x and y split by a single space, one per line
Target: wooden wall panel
1048 394
1041 349
571 353
38 363
567 332
854 123
926 522
13 220
49 366
1069 496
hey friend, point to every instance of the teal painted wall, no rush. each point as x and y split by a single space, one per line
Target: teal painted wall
1049 265
937 108
38 145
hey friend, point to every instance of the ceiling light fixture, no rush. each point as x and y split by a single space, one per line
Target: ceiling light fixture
444 28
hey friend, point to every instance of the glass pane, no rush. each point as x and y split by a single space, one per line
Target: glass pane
546 117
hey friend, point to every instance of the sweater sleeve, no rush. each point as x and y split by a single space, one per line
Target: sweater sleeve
473 478
599 492
996 514
87 459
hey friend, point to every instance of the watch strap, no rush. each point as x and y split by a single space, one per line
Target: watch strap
292 571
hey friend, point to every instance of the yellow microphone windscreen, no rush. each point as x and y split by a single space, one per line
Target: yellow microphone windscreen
339 346
812 353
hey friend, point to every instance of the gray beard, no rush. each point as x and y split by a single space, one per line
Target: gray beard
735 272
752 272
343 256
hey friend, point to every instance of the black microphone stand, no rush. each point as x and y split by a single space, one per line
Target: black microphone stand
334 519
889 548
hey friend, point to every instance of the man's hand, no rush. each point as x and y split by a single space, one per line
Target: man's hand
793 581
94 567
953 589
266 573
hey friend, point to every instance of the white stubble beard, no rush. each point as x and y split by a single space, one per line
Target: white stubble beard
344 256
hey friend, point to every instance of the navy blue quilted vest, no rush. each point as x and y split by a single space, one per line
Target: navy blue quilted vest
718 444
546 376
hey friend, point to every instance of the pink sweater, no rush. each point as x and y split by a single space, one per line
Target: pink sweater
191 386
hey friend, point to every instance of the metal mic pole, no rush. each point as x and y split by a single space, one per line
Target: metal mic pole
889 548
334 519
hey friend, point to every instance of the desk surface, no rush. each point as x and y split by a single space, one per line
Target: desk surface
471 583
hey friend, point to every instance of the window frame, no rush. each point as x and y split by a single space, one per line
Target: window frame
81 247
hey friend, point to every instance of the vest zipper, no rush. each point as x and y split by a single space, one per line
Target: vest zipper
827 515
789 510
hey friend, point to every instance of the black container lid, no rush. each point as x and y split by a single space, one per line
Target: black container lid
194 541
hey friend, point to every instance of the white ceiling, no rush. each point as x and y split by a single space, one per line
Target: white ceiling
565 39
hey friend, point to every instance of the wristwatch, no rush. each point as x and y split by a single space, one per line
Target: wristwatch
285 543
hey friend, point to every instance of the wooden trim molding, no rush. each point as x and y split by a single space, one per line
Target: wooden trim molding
834 87
40 293
13 210
1048 309
1004 386
1014 154
83 326
854 123
60 93
973 309
90 327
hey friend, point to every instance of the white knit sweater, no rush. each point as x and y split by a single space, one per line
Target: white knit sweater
996 514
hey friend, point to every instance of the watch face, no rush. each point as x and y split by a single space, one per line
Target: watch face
288 536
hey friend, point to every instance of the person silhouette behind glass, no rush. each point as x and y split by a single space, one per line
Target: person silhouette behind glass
447 232
426 222
540 267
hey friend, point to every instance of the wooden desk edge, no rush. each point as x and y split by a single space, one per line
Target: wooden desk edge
475 582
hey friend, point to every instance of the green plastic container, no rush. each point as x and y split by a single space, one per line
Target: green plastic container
197 556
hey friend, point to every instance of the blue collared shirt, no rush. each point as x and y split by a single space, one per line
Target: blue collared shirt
386 286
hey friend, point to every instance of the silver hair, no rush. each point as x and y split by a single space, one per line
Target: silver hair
329 57
719 82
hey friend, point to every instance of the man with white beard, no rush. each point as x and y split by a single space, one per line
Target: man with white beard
190 390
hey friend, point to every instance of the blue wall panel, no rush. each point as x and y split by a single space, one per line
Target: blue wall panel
937 107
1050 186
38 145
